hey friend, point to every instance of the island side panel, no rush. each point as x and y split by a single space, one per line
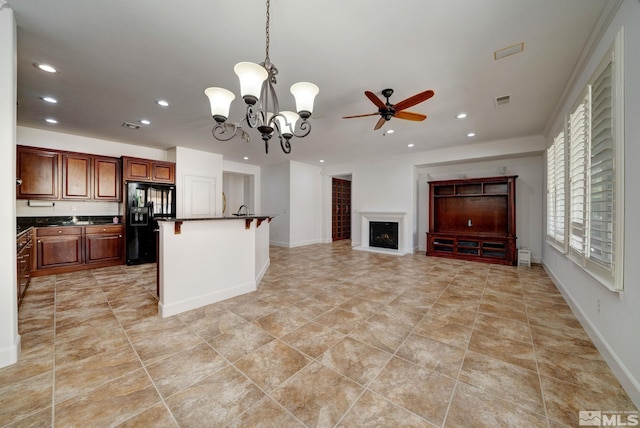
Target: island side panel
207 262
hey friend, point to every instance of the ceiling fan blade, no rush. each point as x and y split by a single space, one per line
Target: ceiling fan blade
407 115
411 101
360 115
374 99
381 122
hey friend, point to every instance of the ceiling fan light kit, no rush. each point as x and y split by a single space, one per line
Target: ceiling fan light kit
257 87
386 110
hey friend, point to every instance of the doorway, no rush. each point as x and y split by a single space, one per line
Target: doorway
341 209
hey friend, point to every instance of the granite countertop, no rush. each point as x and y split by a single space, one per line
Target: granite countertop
231 217
23 223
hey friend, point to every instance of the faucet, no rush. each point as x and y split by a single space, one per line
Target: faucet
246 210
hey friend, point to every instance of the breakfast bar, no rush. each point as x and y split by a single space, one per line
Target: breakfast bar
205 260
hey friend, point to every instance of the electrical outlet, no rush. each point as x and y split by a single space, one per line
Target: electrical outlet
106 207
599 306
74 209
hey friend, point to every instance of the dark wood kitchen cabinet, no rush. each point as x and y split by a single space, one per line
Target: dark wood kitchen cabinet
62 249
58 247
76 176
106 178
23 263
54 174
104 244
39 171
135 169
473 219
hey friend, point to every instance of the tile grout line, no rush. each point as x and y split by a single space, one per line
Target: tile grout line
457 380
535 357
366 387
53 362
144 367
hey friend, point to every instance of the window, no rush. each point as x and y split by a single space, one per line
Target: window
556 191
585 185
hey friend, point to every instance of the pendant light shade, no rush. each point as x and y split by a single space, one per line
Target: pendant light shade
304 93
251 76
220 100
287 122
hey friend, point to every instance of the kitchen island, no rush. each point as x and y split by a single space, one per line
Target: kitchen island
205 260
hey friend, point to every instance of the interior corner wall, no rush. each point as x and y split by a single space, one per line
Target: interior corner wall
275 200
9 338
612 319
305 204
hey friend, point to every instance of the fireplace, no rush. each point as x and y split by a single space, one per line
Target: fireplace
399 219
383 234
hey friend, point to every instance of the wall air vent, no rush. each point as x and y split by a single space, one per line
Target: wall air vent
130 125
508 51
502 101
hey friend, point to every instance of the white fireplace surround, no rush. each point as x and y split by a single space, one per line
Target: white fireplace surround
391 217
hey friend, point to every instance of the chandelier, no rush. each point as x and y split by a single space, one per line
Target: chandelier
257 87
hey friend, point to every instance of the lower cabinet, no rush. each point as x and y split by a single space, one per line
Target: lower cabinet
71 248
493 249
58 247
23 263
103 244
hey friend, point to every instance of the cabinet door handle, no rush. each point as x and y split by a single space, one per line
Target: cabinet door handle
119 236
59 231
104 230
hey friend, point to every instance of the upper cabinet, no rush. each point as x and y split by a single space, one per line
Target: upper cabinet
51 174
39 171
76 176
106 179
135 169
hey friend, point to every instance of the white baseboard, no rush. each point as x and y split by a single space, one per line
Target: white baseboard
295 244
630 384
10 354
206 299
262 272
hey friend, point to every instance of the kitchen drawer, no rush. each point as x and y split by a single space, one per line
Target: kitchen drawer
58 231
105 228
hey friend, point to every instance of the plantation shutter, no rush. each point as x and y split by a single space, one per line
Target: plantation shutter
556 191
601 217
579 146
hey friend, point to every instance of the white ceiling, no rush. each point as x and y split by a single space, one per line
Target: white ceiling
117 57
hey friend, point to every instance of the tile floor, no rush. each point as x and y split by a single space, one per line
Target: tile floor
332 337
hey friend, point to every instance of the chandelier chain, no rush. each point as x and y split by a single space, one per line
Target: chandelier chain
267 59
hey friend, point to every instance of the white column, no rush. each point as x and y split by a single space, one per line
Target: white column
9 338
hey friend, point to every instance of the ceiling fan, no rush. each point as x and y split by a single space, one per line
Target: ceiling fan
388 110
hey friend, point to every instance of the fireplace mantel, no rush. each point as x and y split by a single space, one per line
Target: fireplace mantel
387 216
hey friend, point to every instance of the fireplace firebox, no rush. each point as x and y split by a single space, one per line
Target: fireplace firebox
383 234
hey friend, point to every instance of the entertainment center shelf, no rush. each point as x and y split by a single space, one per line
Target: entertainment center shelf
473 219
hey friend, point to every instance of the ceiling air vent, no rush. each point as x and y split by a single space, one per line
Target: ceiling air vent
502 101
130 125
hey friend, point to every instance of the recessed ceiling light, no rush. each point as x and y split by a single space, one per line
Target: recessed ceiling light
461 115
163 103
46 67
410 145
321 160
145 121
50 120
49 100
390 131
246 158
471 134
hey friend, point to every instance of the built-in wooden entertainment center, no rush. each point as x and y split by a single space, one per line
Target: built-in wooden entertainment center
473 219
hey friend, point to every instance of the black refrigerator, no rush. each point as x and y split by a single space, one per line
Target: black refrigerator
146 202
